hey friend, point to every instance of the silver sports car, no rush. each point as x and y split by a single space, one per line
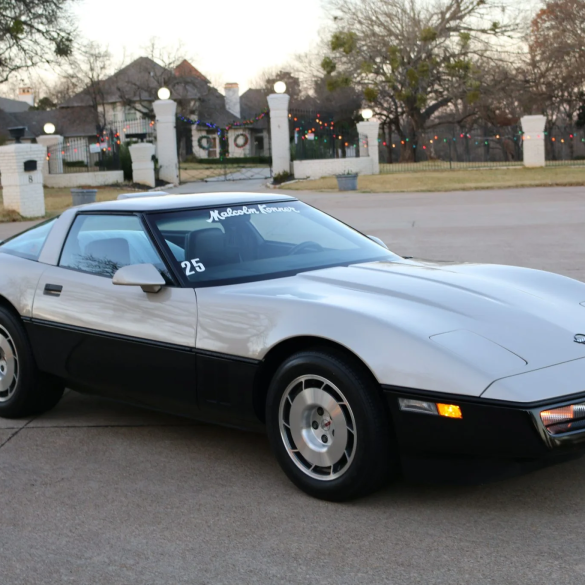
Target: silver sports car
259 311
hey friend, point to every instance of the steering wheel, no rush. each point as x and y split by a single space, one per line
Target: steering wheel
306 245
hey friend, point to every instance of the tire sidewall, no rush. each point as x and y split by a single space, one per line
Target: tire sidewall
26 370
372 445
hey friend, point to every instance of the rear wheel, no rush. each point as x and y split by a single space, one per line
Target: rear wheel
23 389
328 426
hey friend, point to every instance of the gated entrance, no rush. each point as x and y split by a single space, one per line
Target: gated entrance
235 153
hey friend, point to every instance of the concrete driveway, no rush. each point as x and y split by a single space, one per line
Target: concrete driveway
96 492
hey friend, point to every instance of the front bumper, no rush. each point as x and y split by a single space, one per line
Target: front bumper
492 439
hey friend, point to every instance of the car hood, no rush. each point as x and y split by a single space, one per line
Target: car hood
435 326
533 314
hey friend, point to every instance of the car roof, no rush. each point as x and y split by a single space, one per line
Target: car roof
192 200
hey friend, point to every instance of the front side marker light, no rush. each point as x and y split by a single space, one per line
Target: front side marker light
412 405
449 410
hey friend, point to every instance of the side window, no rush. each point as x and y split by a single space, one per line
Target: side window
30 243
101 244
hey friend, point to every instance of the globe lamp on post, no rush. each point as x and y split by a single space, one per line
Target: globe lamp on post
164 93
367 114
280 87
49 128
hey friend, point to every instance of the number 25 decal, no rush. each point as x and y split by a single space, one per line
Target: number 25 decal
188 266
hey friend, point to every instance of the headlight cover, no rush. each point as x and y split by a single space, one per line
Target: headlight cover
564 419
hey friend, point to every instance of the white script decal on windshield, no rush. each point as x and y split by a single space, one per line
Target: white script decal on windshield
216 215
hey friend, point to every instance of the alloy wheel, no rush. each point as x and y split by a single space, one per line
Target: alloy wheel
317 427
8 366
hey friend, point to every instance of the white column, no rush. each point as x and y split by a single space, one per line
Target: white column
23 190
166 140
370 130
279 135
142 163
533 143
53 164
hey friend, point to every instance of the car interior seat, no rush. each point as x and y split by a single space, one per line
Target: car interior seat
211 247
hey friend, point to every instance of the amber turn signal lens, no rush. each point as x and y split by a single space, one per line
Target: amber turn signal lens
449 410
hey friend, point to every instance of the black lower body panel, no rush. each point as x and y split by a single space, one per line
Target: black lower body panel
491 441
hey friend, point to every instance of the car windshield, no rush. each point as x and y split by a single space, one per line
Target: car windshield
243 243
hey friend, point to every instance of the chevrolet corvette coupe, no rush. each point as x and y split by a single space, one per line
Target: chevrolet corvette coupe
261 312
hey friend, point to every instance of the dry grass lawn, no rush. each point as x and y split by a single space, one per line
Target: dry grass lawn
57 200
466 180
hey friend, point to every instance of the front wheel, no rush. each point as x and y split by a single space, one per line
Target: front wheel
328 427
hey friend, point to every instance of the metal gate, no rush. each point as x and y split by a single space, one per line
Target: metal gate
235 153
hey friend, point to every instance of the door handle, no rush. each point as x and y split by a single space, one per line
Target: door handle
53 290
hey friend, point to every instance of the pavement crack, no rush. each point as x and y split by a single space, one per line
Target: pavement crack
16 433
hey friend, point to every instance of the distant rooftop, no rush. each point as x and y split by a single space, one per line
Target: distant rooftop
10 106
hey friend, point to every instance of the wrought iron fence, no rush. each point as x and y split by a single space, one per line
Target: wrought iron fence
131 129
324 135
448 147
329 143
212 154
79 155
565 145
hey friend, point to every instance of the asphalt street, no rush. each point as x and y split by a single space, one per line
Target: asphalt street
97 492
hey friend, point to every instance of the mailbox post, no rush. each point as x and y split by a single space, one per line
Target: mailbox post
22 178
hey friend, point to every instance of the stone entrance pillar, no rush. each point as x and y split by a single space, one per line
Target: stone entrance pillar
21 166
166 140
279 133
533 143
53 164
142 163
370 130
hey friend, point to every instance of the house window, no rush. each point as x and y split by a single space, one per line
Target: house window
130 113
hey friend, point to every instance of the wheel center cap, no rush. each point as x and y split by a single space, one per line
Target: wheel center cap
326 424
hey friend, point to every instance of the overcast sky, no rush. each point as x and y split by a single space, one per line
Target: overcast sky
230 40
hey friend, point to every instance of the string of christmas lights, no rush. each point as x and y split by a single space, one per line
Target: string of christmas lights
235 124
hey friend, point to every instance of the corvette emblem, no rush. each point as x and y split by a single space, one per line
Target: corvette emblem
579 338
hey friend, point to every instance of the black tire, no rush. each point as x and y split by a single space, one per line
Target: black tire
24 390
367 462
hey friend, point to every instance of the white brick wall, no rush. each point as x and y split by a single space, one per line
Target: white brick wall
315 169
23 191
142 163
85 179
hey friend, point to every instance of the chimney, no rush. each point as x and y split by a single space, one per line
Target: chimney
232 98
25 94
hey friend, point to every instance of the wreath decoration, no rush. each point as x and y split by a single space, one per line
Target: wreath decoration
241 140
204 142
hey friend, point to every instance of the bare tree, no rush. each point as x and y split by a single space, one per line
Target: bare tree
86 69
555 68
33 32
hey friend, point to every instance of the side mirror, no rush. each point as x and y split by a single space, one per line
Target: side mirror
378 241
146 276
